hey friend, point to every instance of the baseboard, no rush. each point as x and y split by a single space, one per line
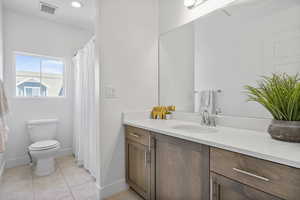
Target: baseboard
2 169
14 162
111 189
64 152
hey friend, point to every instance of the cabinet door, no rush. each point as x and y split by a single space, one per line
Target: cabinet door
182 169
138 168
223 188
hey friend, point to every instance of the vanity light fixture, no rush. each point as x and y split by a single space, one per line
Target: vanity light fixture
76 4
190 4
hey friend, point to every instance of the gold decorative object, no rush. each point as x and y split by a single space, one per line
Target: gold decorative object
160 112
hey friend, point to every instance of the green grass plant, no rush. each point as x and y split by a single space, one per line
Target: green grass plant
279 94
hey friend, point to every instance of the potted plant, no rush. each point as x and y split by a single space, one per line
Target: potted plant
280 95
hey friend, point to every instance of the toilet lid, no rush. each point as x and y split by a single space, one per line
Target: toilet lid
42 145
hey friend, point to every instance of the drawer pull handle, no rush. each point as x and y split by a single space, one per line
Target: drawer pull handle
134 135
145 159
251 174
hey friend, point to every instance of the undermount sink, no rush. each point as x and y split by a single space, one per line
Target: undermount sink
195 129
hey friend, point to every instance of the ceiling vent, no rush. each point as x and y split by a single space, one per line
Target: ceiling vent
48 8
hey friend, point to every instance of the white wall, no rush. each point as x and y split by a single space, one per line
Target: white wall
237 50
29 34
176 71
128 40
1 40
1 71
173 13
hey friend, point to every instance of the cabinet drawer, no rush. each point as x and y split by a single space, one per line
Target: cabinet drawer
275 179
138 135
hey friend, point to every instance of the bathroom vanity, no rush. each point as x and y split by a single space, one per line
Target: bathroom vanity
218 54
163 163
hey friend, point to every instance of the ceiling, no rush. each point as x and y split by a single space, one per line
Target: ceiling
80 17
258 8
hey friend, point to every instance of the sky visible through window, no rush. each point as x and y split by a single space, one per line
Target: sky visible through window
32 64
39 76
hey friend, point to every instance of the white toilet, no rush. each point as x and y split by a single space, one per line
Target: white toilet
44 146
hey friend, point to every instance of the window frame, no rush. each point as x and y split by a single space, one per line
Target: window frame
32 88
15 53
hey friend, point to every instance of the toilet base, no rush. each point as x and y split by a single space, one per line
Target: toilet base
44 167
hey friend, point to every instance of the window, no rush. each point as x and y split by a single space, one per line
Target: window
38 76
32 91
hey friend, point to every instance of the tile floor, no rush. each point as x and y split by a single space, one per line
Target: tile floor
69 182
126 195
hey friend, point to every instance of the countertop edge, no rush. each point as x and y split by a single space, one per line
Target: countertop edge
255 154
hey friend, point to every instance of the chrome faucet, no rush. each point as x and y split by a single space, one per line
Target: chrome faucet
205 117
208 119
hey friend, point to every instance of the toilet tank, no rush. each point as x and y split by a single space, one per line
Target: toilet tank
45 129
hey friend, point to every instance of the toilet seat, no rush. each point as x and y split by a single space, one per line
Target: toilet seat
43 145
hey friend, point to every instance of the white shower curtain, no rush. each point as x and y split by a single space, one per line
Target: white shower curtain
85 124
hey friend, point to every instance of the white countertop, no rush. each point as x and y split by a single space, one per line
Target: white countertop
252 143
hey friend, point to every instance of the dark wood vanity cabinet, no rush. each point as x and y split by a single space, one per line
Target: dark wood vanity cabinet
166 168
160 167
140 161
182 169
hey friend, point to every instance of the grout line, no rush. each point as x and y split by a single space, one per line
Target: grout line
65 180
32 186
59 168
70 187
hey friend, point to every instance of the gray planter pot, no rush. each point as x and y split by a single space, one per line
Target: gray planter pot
288 131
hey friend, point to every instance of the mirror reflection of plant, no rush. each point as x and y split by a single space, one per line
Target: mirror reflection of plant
279 94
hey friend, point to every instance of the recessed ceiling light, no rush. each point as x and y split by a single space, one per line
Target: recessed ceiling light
189 3
76 4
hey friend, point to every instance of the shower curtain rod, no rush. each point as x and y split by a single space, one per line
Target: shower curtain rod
93 39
